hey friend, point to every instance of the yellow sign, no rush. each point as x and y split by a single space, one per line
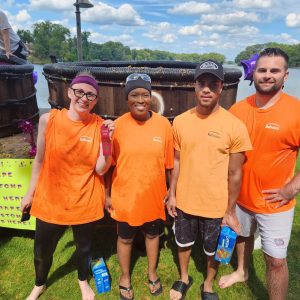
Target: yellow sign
15 176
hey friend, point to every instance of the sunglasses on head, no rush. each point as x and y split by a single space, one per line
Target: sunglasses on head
135 76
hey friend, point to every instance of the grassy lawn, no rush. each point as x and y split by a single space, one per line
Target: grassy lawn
17 271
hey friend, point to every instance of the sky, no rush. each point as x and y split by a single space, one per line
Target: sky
223 26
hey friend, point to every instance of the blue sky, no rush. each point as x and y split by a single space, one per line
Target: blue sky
223 26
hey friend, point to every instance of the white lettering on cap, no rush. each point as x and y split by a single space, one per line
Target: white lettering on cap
209 65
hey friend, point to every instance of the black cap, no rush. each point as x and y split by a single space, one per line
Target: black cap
211 67
135 84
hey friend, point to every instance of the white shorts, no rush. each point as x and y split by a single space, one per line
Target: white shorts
274 229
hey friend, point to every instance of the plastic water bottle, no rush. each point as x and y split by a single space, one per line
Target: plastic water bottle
101 276
226 245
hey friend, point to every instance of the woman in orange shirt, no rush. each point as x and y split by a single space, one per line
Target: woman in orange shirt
67 186
142 151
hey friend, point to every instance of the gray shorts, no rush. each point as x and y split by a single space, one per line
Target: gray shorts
274 229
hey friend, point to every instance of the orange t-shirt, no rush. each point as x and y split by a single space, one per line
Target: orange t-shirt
69 191
205 144
275 135
141 152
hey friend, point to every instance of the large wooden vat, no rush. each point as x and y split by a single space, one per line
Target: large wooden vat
172 85
17 97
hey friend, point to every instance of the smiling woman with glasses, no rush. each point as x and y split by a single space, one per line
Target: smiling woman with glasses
67 187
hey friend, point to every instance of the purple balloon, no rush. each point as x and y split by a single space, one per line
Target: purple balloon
35 77
249 65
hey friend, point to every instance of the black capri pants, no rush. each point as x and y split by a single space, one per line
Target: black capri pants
47 236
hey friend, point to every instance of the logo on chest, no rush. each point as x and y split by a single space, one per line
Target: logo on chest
214 134
157 139
86 139
272 126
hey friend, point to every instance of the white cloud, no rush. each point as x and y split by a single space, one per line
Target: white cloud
191 8
22 16
253 3
190 30
52 4
126 39
237 17
102 13
292 20
169 38
161 32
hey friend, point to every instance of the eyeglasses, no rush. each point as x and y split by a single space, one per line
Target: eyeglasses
80 94
135 76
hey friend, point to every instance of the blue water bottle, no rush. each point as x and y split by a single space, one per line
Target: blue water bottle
101 276
226 244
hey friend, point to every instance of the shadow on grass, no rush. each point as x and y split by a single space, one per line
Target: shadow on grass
8 233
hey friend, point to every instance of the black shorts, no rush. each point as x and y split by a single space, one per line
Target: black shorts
186 228
125 231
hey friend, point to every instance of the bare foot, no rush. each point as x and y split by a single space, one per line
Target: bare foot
176 295
228 280
36 292
86 291
125 287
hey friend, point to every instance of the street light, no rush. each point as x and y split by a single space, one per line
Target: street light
78 4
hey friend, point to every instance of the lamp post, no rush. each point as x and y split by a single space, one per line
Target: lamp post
78 4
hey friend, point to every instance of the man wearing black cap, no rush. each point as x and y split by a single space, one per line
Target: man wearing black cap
209 147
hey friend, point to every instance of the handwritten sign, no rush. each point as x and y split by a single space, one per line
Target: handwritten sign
15 176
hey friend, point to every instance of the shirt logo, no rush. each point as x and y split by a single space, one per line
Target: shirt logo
209 65
86 139
272 126
214 134
157 139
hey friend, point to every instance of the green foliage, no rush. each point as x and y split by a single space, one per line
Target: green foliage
50 38
25 36
293 52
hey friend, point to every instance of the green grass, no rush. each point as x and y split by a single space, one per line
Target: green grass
17 271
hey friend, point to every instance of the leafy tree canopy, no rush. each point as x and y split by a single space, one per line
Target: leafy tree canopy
293 51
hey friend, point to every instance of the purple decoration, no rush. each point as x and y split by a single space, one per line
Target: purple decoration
28 127
35 77
249 65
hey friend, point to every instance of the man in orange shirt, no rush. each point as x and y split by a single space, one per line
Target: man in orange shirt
268 189
209 147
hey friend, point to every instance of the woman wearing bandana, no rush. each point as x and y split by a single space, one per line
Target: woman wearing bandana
67 186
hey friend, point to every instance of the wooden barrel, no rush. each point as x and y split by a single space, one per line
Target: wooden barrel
17 97
172 85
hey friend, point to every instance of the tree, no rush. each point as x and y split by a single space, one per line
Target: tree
293 51
25 36
50 38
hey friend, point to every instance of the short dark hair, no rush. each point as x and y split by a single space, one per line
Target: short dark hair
274 52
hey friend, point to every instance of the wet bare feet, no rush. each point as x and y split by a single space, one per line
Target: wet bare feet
86 291
228 280
127 293
36 292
